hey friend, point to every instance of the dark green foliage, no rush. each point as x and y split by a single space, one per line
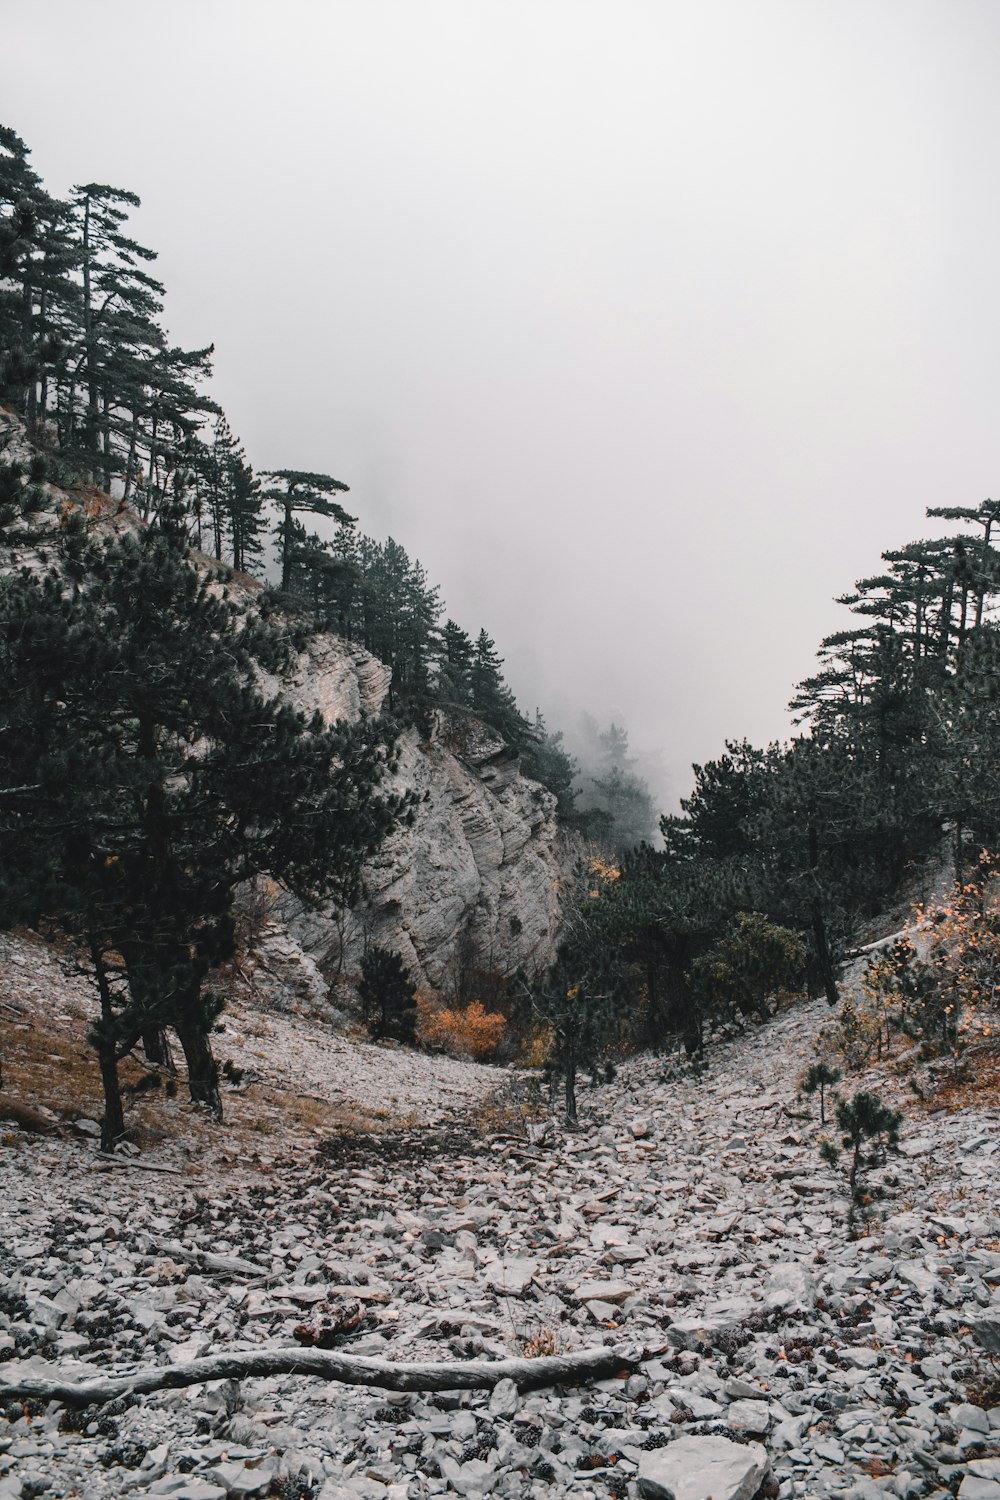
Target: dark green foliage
387 996
582 998
489 695
719 816
753 961
22 499
85 360
869 1129
903 718
818 1078
83 356
227 503
300 492
143 778
545 758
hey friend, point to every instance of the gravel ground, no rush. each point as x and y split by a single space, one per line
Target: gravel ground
691 1216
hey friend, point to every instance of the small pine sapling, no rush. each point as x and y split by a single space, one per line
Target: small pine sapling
818 1078
863 1120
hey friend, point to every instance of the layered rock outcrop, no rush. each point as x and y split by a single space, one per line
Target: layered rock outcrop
477 876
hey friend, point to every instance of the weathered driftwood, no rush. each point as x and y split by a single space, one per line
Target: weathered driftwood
460 1375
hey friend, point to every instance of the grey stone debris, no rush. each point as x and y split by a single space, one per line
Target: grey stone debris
703 1468
847 1360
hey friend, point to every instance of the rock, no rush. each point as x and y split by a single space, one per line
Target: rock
790 1288
749 1416
511 1276
186 1487
505 1399
964 1414
639 1128
240 1481
703 1468
604 1291
860 1357
987 1330
696 1331
918 1276
972 1488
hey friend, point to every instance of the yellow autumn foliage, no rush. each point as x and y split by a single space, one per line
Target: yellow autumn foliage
472 1032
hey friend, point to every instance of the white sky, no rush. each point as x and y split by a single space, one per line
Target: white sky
645 326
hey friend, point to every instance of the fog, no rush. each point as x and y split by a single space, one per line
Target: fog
645 326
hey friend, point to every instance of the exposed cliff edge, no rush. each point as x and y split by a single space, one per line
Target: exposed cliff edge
477 874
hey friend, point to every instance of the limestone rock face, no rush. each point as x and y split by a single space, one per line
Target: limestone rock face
477 876
335 678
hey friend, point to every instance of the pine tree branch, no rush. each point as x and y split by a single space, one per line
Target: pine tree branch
473 1374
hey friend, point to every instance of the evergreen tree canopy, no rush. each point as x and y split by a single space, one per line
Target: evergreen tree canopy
302 492
143 776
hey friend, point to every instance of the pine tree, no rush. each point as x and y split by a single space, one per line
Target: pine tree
120 298
454 671
546 759
302 493
387 996
143 778
490 696
582 999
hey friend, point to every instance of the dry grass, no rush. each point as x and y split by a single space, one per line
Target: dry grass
54 1069
973 1081
500 1115
539 1345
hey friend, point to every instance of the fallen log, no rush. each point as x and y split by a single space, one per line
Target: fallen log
460 1375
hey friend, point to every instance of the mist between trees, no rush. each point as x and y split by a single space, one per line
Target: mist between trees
86 361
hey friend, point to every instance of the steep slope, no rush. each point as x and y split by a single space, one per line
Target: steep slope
478 874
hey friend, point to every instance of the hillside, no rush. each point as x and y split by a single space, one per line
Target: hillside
690 1217
479 869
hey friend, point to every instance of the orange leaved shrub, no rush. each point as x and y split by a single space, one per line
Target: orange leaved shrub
472 1032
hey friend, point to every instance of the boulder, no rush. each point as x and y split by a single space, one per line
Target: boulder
703 1468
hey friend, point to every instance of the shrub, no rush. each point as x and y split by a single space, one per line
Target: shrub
471 1032
537 1050
902 989
863 1120
753 961
965 947
818 1078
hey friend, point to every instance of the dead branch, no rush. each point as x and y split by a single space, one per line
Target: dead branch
104 1163
461 1375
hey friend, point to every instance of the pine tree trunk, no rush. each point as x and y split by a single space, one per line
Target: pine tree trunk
823 954
156 1047
203 1071
113 1121
569 1074
819 925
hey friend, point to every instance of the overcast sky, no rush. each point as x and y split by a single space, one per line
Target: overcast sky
645 326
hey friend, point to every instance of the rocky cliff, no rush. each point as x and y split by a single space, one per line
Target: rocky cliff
476 877
478 874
